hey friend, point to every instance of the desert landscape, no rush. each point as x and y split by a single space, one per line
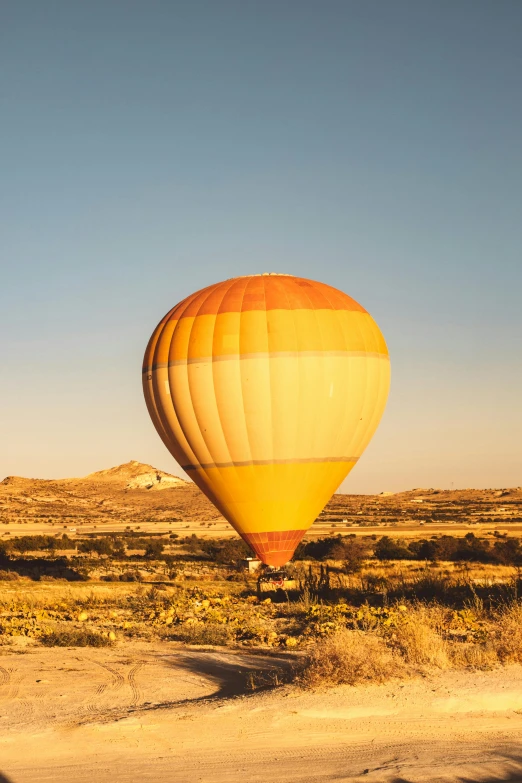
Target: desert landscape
260 420
153 713
137 496
131 629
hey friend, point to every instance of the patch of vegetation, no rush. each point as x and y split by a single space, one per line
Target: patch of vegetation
39 568
110 547
38 543
154 549
207 633
348 549
349 658
470 549
75 638
362 608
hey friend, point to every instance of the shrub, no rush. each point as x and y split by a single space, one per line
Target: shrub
418 641
23 544
228 552
508 640
354 554
387 549
154 549
328 548
113 547
130 576
347 658
8 576
209 633
75 638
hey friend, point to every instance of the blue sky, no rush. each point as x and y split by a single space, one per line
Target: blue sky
151 148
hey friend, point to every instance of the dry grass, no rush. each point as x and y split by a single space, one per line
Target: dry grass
420 643
48 594
75 638
396 619
350 657
418 640
394 575
508 640
209 633
467 655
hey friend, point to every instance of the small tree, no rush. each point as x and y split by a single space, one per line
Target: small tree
118 547
387 549
100 546
154 549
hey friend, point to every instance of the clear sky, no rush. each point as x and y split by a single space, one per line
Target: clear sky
151 148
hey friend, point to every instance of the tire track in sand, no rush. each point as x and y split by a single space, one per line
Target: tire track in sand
137 695
114 684
4 677
21 706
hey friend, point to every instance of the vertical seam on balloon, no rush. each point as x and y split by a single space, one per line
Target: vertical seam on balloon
186 304
153 396
203 470
241 377
213 380
325 294
191 455
298 356
336 306
156 393
212 365
310 466
206 481
268 363
188 300
292 315
328 301
148 389
240 371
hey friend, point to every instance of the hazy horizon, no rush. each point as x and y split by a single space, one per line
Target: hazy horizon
152 149
176 471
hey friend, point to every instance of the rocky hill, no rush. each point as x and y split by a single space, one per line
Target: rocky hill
135 493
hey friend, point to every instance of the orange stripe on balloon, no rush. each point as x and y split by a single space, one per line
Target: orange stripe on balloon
259 332
264 292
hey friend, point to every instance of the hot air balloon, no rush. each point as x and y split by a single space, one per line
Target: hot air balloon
266 389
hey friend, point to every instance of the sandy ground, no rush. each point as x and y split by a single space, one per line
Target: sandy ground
154 712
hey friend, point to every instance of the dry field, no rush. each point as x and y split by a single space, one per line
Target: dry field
151 712
448 615
140 497
201 681
198 680
133 648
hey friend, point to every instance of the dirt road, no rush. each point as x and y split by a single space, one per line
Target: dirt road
144 712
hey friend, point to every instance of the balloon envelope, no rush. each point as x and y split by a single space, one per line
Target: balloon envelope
266 389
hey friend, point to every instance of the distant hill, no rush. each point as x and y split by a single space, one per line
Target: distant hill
134 493
425 506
